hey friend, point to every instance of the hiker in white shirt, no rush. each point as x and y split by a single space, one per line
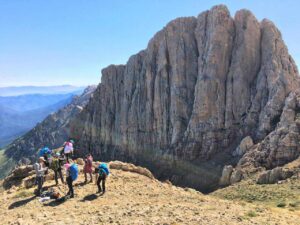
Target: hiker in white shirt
68 149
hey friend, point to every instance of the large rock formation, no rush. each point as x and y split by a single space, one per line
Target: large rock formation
51 132
182 105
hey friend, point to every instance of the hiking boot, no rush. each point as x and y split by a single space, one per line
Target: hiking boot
71 196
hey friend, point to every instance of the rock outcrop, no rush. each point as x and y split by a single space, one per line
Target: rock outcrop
281 145
51 132
182 105
244 146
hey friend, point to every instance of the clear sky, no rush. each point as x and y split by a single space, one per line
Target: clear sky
69 41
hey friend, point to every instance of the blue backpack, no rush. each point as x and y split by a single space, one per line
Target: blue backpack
74 171
104 167
44 151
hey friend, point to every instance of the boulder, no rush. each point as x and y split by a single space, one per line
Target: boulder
117 165
226 174
49 176
29 182
274 175
236 176
80 161
22 171
16 176
243 147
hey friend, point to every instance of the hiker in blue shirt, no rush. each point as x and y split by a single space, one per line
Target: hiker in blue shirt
71 174
103 172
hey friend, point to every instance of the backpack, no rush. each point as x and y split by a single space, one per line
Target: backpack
103 168
44 151
74 171
55 164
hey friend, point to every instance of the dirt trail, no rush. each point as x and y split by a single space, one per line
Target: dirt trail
132 198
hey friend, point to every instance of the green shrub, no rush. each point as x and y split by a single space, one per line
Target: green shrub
251 214
294 204
281 204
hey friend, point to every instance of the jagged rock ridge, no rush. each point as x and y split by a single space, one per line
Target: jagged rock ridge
182 105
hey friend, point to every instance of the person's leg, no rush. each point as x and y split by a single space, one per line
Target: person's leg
103 184
98 184
72 190
96 177
61 176
91 175
40 185
85 177
55 177
69 179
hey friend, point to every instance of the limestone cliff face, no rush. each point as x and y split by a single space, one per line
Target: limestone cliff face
182 105
51 132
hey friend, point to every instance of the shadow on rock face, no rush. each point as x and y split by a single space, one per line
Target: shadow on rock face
21 203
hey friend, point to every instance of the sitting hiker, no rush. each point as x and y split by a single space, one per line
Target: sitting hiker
103 172
88 167
40 170
56 167
68 149
71 174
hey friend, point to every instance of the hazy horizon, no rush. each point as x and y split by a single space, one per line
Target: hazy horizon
70 42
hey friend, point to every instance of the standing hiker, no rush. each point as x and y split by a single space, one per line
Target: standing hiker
46 154
71 174
56 167
40 170
88 167
68 149
103 172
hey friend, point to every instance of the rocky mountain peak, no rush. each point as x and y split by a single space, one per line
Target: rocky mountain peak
182 105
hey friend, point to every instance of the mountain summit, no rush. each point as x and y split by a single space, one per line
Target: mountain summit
182 106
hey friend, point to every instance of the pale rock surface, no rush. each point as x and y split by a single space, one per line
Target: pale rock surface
182 106
244 146
226 174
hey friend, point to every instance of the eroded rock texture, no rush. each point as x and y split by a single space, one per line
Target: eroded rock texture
182 105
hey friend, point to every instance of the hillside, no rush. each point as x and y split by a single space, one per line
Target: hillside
133 198
53 131
19 114
281 188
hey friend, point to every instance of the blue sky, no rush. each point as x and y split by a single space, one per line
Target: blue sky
69 41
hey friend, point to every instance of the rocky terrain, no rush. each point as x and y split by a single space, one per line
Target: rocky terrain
182 106
133 197
51 132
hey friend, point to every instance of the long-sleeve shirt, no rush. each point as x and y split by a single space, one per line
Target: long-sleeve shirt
39 169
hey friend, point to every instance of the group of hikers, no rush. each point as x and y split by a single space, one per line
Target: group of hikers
63 160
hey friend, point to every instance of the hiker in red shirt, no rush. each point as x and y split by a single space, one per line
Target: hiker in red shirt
88 167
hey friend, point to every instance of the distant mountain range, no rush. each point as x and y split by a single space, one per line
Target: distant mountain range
19 114
24 90
51 132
